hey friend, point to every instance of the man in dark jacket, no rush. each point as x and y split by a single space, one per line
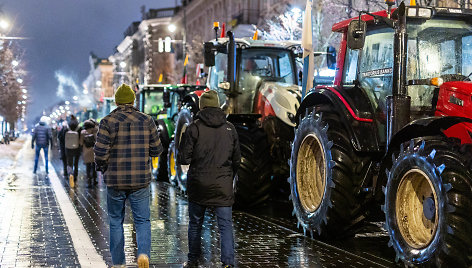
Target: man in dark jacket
73 154
126 140
42 136
211 147
62 146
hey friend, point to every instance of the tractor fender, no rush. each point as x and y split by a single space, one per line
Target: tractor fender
280 99
357 127
428 126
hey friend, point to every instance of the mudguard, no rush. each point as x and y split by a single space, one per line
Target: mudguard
357 126
428 126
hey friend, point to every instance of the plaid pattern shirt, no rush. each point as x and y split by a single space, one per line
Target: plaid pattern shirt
126 140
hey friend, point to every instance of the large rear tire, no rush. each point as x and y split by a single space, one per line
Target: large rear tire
184 119
428 200
254 173
324 175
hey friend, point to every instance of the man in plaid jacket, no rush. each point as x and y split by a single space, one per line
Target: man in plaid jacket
126 140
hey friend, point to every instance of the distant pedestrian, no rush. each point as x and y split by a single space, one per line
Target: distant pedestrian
6 137
72 145
210 145
125 142
42 137
62 145
88 137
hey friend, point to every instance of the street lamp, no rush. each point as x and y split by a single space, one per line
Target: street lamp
14 63
171 28
4 24
122 64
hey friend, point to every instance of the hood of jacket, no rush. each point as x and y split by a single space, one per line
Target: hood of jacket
212 117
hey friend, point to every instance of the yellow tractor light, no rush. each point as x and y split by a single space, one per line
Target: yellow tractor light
437 81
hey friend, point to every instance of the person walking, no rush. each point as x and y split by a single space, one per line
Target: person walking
88 137
72 146
6 137
126 140
62 146
211 146
42 137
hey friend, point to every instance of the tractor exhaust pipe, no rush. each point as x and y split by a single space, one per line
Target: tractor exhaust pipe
399 104
232 93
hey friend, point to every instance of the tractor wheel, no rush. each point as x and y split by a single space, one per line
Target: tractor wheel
324 174
184 119
171 162
254 173
159 164
428 200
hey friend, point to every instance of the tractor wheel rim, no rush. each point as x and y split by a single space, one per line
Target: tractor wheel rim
414 189
311 173
172 164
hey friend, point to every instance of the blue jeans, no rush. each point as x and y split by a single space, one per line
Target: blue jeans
196 214
36 158
139 201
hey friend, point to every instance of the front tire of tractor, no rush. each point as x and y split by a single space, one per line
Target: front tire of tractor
184 119
159 171
323 175
171 162
254 173
428 200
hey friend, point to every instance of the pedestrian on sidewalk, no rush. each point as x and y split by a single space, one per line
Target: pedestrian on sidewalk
125 142
211 146
42 136
72 145
6 137
62 145
88 136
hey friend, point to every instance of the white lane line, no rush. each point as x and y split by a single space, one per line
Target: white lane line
88 256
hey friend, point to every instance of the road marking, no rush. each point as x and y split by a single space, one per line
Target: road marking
86 252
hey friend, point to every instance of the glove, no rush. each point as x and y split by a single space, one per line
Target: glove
101 165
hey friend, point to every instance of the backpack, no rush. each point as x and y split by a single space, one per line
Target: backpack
72 139
89 140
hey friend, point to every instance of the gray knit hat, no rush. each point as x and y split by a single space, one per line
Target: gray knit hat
209 99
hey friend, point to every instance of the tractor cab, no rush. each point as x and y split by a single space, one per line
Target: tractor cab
150 100
261 68
439 52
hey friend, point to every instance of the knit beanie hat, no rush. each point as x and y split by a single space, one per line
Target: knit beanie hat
209 99
124 94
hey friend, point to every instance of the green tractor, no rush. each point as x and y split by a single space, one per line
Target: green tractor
162 102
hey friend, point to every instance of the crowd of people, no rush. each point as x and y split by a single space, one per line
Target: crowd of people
74 141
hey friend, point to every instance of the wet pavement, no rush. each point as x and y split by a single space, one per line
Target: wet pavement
33 232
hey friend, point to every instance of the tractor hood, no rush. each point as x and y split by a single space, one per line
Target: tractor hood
456 98
283 98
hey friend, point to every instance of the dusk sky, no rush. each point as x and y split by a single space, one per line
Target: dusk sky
62 33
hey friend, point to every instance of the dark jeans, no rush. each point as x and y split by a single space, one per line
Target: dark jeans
140 202
36 158
91 172
73 156
64 161
196 214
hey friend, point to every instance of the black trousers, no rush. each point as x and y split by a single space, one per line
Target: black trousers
91 172
73 156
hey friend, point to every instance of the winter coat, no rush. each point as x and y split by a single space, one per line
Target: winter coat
88 155
41 135
126 140
61 137
211 146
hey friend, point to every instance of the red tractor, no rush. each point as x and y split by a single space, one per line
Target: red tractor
393 132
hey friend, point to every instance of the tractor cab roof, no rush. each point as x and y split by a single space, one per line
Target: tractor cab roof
413 12
247 42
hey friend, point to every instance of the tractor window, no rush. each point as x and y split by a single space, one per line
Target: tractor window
259 65
153 102
436 47
350 64
218 72
376 66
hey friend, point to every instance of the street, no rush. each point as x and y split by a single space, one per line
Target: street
36 231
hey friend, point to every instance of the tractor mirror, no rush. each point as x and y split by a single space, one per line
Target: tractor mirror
331 57
356 34
166 98
224 85
209 54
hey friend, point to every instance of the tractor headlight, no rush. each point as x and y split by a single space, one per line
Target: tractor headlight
291 117
419 12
